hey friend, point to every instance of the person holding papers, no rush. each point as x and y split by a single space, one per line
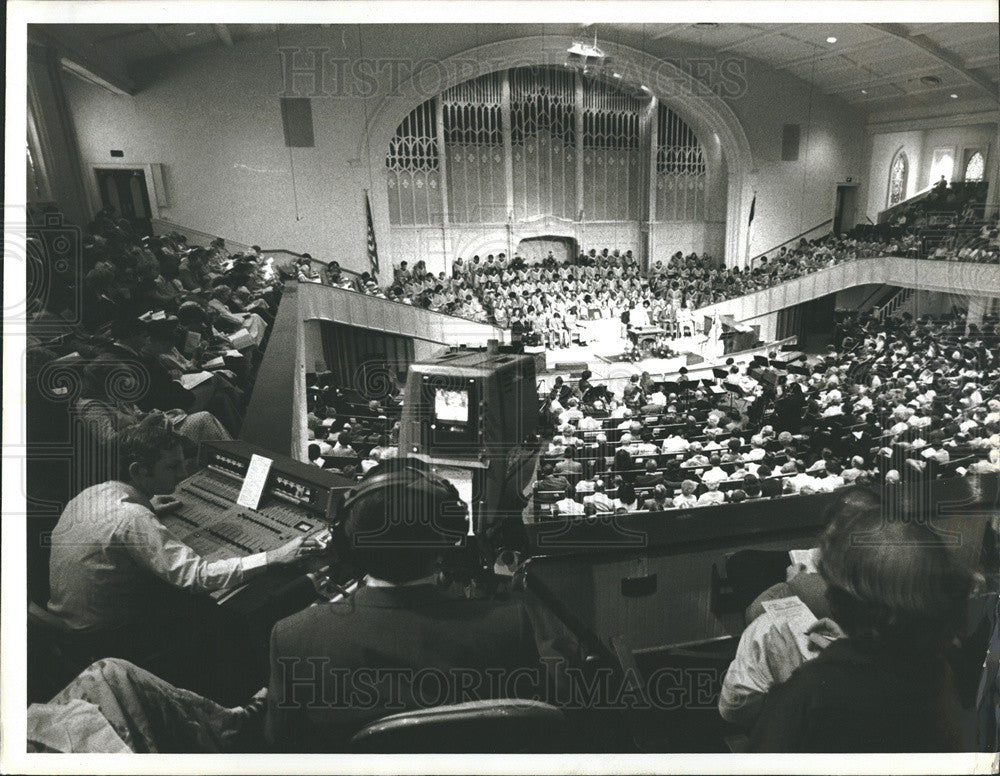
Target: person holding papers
873 677
104 415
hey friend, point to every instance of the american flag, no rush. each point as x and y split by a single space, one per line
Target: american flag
372 247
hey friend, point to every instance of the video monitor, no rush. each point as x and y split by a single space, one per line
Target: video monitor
451 406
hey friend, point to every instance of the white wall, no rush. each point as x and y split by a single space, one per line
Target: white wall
685 236
958 139
795 196
884 150
213 120
919 145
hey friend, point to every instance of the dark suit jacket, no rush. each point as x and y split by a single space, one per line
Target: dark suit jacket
336 667
847 701
553 482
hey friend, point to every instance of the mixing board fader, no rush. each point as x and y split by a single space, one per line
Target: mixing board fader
298 500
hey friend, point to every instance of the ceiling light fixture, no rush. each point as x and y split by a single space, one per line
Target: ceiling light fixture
831 39
583 49
617 75
864 91
954 96
644 88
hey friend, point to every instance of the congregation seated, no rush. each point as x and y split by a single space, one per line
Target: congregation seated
544 302
347 430
891 400
162 327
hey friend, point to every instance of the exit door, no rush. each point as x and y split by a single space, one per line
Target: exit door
845 215
125 190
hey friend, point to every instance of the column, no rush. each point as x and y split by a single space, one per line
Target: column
443 171
648 133
508 151
978 305
578 134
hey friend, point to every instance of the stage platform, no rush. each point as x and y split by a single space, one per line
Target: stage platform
606 343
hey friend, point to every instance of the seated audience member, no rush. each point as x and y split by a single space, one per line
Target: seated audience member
770 486
572 413
716 474
564 439
674 443
698 459
652 476
989 466
854 471
601 501
584 485
550 481
568 505
626 498
111 554
657 500
686 498
569 465
342 447
430 625
712 496
899 599
371 461
315 458
800 479
105 415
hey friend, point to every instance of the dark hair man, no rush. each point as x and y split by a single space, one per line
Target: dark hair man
401 641
110 553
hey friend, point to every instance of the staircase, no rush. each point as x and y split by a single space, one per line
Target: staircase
895 302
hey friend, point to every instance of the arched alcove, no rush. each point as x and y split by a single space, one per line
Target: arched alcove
725 144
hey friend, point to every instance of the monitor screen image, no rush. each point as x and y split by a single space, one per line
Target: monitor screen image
451 406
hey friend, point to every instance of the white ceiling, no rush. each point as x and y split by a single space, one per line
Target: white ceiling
876 67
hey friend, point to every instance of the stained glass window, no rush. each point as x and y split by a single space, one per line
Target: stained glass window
975 168
897 179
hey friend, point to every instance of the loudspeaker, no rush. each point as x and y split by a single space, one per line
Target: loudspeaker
297 122
790 142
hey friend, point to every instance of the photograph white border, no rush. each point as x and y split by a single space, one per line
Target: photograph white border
13 758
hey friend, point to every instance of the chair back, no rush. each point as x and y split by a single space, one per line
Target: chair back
55 655
506 725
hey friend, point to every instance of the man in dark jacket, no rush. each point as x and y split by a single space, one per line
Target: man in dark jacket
401 641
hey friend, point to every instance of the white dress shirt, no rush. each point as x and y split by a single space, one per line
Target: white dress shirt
715 474
710 498
107 547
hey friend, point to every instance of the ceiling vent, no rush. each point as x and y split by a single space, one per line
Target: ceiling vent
930 80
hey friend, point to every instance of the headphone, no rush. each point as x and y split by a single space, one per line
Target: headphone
401 477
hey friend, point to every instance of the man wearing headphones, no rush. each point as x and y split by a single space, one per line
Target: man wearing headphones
402 641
